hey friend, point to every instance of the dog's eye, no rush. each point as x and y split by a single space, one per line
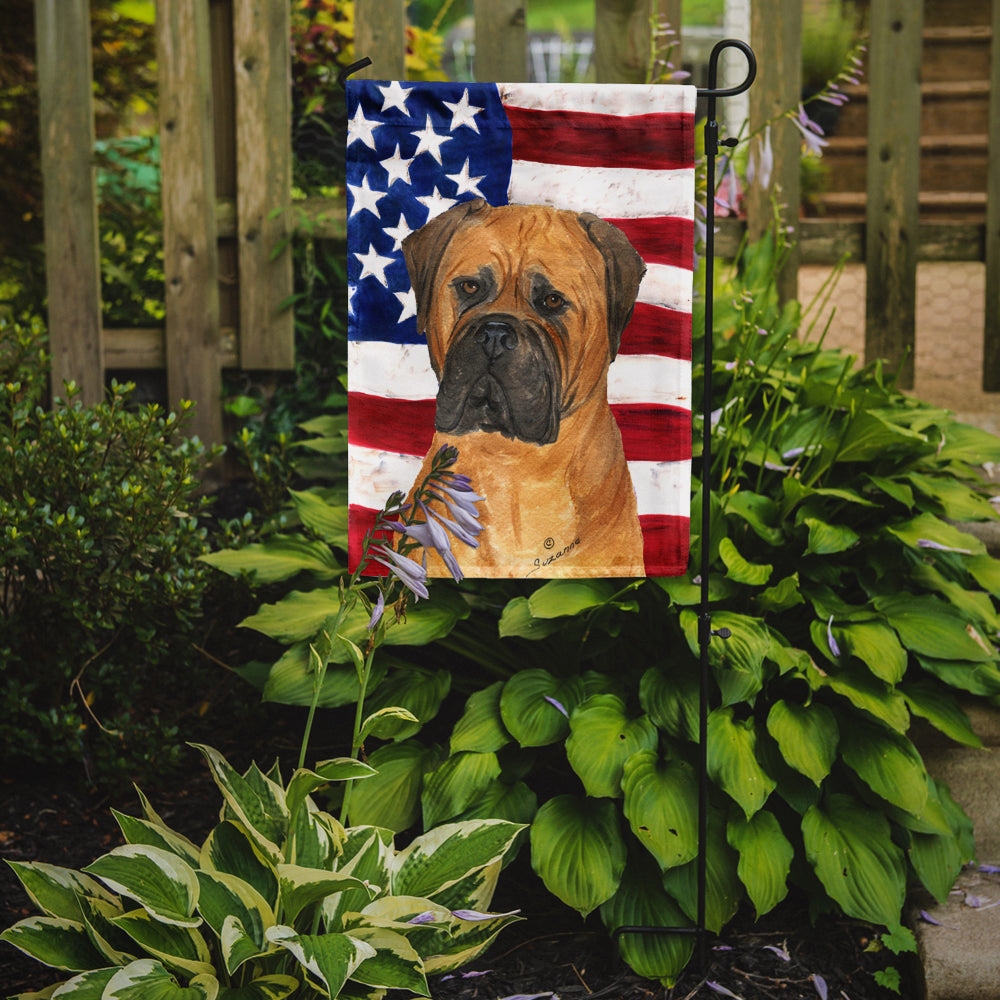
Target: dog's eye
469 287
553 301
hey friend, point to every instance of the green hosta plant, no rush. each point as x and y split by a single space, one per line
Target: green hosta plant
855 605
279 900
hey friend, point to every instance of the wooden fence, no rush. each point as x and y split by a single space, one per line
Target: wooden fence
226 160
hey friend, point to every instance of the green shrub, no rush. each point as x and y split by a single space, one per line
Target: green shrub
279 900
99 541
854 604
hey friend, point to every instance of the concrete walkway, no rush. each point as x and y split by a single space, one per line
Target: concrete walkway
959 945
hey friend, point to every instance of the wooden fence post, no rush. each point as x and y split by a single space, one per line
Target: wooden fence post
380 34
190 251
501 41
893 183
621 40
72 255
991 332
262 61
776 35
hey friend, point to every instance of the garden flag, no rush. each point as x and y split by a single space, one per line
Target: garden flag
520 280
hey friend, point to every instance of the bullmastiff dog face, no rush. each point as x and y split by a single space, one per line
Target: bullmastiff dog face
523 307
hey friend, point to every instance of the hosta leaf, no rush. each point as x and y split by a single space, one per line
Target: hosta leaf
327 520
366 855
87 986
391 798
330 959
758 511
976 605
957 501
280 557
517 620
304 782
827 539
723 889
941 709
416 689
986 571
147 979
578 851
159 881
732 760
227 897
292 681
866 692
456 784
56 891
301 887
395 964
876 646
783 595
671 700
937 858
850 848
275 987
661 798
441 857
739 569
263 812
738 661
230 849
481 728
601 739
516 803
641 901
965 443
807 736
928 528
765 858
98 916
888 763
465 941
559 598
180 948
931 628
387 723
976 678
870 435
530 706
54 941
141 831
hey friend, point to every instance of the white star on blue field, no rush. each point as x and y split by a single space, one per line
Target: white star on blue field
411 155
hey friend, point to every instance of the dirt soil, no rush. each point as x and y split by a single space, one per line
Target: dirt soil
551 953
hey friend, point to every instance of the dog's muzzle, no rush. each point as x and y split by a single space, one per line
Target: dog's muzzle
500 375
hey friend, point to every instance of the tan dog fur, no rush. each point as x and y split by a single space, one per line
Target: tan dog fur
545 293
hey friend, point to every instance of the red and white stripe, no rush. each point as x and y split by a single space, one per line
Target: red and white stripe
625 153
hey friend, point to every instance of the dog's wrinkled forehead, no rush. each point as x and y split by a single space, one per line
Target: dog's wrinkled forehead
473 244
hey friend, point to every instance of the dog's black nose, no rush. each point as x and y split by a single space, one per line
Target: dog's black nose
496 337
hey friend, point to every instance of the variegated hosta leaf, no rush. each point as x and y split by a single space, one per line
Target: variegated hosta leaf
329 959
456 784
116 947
661 799
177 947
475 891
642 902
141 831
158 880
888 763
315 838
367 853
578 851
300 887
304 782
395 964
535 706
256 801
723 889
86 986
468 939
807 736
441 857
225 897
147 979
732 760
765 858
850 847
54 941
56 891
481 727
602 737
230 849
275 987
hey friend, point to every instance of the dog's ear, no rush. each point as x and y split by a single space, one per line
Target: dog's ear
623 269
423 249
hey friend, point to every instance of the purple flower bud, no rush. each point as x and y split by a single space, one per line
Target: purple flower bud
834 648
475 915
377 611
409 573
927 543
427 917
558 705
820 983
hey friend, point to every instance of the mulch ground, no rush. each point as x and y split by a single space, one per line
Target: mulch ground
550 953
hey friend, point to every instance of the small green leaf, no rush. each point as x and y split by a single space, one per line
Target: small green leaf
930 627
456 784
928 528
732 760
739 569
888 763
671 700
936 704
559 598
578 851
481 727
327 520
391 798
765 858
517 620
807 736
535 706
279 558
827 539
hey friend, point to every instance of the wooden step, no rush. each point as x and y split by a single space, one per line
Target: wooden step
956 53
957 206
940 13
947 162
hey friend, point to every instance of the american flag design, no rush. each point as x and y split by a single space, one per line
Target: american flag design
622 152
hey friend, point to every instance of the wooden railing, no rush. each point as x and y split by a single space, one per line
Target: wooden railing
226 156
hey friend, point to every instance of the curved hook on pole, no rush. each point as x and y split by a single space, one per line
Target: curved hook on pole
713 69
352 68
